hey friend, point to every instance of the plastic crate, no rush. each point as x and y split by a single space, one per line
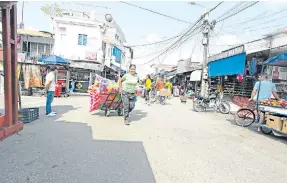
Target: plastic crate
28 115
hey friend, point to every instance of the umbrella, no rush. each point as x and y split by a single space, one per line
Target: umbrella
54 60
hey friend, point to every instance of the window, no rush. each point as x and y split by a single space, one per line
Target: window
82 39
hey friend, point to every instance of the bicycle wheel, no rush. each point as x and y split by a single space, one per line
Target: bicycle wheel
244 117
197 107
224 107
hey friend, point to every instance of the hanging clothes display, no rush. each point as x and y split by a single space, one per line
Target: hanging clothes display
32 76
253 67
240 78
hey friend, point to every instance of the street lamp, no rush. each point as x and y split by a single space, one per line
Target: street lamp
194 3
109 18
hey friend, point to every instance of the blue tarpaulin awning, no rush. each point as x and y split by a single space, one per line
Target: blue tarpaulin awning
279 60
54 60
227 66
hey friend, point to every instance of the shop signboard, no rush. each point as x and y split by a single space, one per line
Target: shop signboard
91 56
109 36
279 73
228 53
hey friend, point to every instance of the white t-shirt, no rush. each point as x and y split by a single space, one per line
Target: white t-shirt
51 77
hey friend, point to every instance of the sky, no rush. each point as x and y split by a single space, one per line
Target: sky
141 27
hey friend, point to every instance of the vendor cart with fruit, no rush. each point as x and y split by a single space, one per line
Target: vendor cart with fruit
275 110
104 95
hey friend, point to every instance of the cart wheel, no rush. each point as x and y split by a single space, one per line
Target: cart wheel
120 112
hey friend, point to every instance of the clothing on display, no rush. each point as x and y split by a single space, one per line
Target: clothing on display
32 76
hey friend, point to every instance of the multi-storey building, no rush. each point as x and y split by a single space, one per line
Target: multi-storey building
90 41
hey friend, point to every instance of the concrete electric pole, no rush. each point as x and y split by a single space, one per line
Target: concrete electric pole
205 42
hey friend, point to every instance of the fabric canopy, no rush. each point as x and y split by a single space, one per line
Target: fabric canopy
53 60
227 66
195 75
279 60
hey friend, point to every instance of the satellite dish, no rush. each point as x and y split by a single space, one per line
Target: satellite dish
109 18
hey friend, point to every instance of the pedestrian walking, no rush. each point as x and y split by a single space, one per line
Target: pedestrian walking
128 86
148 85
159 86
50 90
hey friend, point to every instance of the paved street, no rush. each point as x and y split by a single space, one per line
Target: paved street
163 144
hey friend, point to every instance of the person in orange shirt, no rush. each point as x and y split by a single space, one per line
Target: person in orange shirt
159 86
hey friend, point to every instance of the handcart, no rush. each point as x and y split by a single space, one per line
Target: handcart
114 102
275 115
279 61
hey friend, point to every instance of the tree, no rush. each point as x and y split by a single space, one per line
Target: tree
52 10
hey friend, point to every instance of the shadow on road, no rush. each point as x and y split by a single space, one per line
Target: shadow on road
137 115
54 151
253 128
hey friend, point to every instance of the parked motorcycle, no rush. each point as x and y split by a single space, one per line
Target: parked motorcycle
214 101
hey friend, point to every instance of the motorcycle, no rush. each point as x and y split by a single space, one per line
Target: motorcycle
214 101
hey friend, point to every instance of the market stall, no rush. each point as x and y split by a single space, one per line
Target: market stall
276 111
63 74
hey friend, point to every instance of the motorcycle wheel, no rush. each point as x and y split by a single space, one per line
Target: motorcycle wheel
224 107
197 107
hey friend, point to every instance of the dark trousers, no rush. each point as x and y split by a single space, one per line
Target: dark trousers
128 102
147 91
49 101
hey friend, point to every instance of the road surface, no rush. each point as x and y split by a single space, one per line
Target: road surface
163 144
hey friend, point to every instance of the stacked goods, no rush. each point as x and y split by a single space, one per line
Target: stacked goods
165 92
275 122
103 93
274 103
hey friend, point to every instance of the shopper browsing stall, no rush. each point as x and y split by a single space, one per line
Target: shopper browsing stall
267 89
128 86
50 89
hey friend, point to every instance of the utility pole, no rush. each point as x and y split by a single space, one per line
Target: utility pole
205 42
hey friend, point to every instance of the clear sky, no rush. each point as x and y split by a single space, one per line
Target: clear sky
142 27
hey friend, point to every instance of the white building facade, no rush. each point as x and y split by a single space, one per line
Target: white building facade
83 37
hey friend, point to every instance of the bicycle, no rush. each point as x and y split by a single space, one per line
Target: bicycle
245 117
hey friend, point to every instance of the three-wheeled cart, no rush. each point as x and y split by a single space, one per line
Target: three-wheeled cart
113 102
277 124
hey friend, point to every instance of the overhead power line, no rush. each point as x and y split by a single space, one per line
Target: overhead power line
252 4
259 18
168 39
231 9
157 42
152 11
189 31
176 42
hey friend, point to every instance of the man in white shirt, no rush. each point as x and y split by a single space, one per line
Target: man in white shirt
50 89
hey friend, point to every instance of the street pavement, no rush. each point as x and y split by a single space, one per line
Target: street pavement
163 144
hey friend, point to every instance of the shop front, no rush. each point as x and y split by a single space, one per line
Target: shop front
227 70
81 78
185 68
82 73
